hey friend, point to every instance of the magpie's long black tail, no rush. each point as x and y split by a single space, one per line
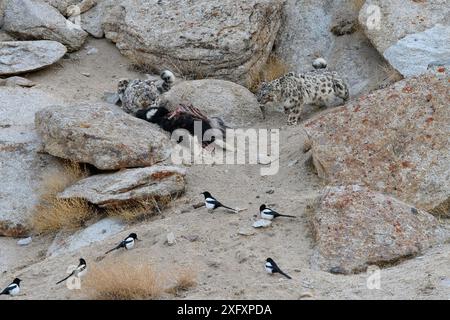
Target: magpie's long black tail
285 215
112 249
284 274
228 208
3 292
65 278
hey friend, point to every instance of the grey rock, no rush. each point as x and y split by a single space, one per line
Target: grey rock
413 54
102 135
66 243
17 81
37 20
170 239
385 21
24 56
24 241
220 39
306 34
262 223
22 167
127 186
394 140
232 102
354 228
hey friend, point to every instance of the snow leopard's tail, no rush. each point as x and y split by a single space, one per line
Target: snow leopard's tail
168 79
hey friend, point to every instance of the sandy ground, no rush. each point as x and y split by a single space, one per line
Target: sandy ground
227 265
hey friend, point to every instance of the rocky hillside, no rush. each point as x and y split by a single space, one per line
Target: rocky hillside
367 180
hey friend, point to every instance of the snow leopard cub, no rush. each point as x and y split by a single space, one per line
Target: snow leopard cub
142 94
293 91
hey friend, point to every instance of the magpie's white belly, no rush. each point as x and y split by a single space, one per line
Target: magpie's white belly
266 216
14 291
129 245
82 273
209 205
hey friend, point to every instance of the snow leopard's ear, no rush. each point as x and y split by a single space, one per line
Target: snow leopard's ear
123 84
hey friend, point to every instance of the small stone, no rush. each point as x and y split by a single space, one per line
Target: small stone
270 191
86 74
261 223
246 232
24 241
91 51
170 239
19 81
306 295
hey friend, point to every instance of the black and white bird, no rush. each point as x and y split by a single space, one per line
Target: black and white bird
269 214
271 267
79 271
127 243
212 203
13 289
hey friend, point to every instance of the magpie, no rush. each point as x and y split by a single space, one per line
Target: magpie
127 243
78 272
271 267
13 289
212 203
269 214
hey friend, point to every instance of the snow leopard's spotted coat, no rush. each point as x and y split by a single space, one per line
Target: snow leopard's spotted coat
142 94
293 91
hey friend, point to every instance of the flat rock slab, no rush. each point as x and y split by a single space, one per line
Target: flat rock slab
405 32
209 38
102 135
37 20
354 227
129 185
65 243
22 167
394 140
24 56
412 54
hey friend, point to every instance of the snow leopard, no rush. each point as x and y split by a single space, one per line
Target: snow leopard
139 94
292 91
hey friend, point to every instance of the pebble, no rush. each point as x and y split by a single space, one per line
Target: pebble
92 51
261 223
86 74
24 241
170 239
246 232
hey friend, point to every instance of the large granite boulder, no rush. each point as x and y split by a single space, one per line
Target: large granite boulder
22 167
354 227
221 39
395 140
37 20
128 186
409 34
102 135
24 56
232 102
329 29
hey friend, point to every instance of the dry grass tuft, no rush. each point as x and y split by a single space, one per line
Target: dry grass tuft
391 75
271 70
53 214
124 280
139 210
185 280
358 4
